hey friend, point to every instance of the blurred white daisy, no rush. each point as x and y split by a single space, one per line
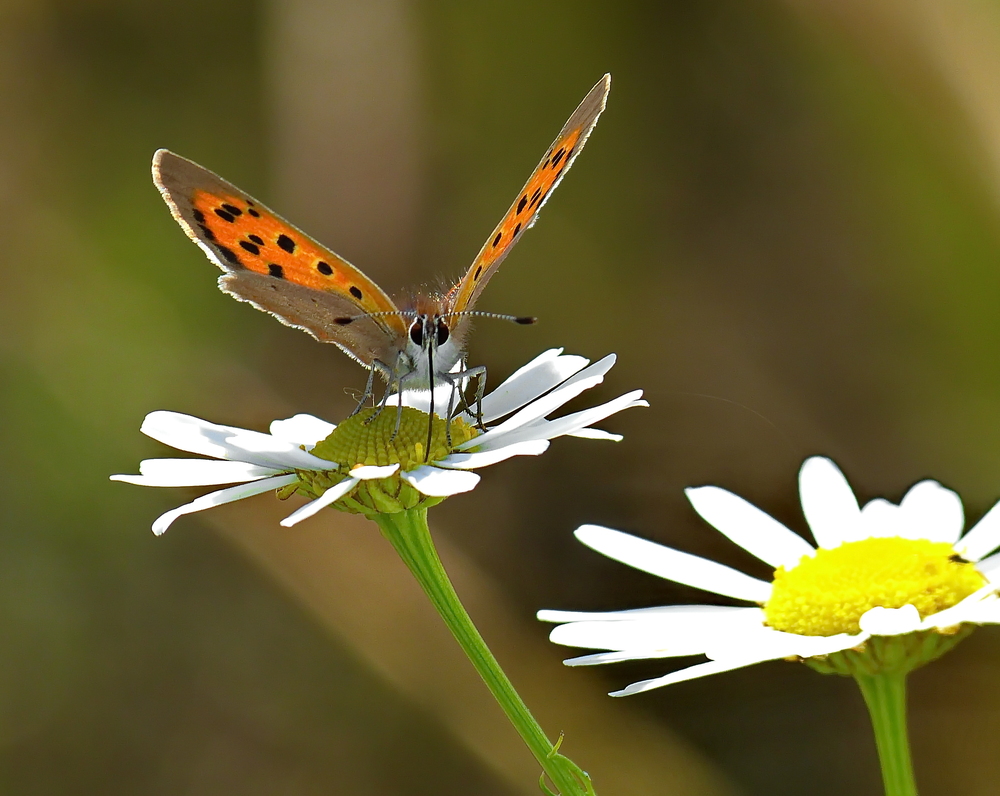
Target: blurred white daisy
887 587
366 467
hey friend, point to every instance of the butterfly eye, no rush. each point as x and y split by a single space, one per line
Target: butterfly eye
442 332
417 331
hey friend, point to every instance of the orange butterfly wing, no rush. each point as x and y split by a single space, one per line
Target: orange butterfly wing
524 212
275 266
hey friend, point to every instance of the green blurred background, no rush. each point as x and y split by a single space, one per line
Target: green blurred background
785 225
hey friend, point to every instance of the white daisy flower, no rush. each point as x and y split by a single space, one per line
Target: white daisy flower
887 587
364 466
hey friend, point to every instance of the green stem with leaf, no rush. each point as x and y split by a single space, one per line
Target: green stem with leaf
409 534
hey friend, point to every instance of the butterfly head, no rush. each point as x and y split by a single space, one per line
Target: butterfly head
428 330
432 346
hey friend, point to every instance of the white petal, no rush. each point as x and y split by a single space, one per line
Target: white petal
549 429
987 613
990 567
598 658
766 643
933 512
548 615
828 503
371 472
984 537
882 519
332 495
596 433
569 389
674 565
880 621
470 461
690 673
673 635
756 532
536 378
194 435
302 430
229 495
435 482
194 472
618 636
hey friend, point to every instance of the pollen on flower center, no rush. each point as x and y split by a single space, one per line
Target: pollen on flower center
355 442
827 593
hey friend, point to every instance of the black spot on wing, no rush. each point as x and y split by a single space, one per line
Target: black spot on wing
233 210
356 292
276 271
516 230
286 243
199 216
534 197
224 215
256 239
206 232
228 254
253 248
521 204
253 212
324 268
479 270
558 156
496 240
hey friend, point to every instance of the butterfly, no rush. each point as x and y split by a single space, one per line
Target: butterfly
279 269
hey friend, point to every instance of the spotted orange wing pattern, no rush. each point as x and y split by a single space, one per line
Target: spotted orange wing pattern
523 213
275 266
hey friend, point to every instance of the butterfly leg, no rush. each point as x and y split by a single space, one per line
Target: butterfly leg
390 378
454 381
395 378
399 406
479 373
369 388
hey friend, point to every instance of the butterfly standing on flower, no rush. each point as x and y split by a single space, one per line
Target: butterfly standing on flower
278 269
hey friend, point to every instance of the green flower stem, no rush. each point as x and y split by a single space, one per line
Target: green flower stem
407 531
885 695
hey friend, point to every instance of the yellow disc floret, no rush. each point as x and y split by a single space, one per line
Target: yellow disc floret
370 438
827 593
361 441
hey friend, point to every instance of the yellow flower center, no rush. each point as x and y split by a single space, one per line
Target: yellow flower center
357 442
827 593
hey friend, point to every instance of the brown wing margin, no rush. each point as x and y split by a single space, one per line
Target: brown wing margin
524 211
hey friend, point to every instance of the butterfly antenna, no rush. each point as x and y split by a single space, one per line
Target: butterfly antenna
524 320
351 318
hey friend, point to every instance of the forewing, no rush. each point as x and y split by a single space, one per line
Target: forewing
523 213
276 267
